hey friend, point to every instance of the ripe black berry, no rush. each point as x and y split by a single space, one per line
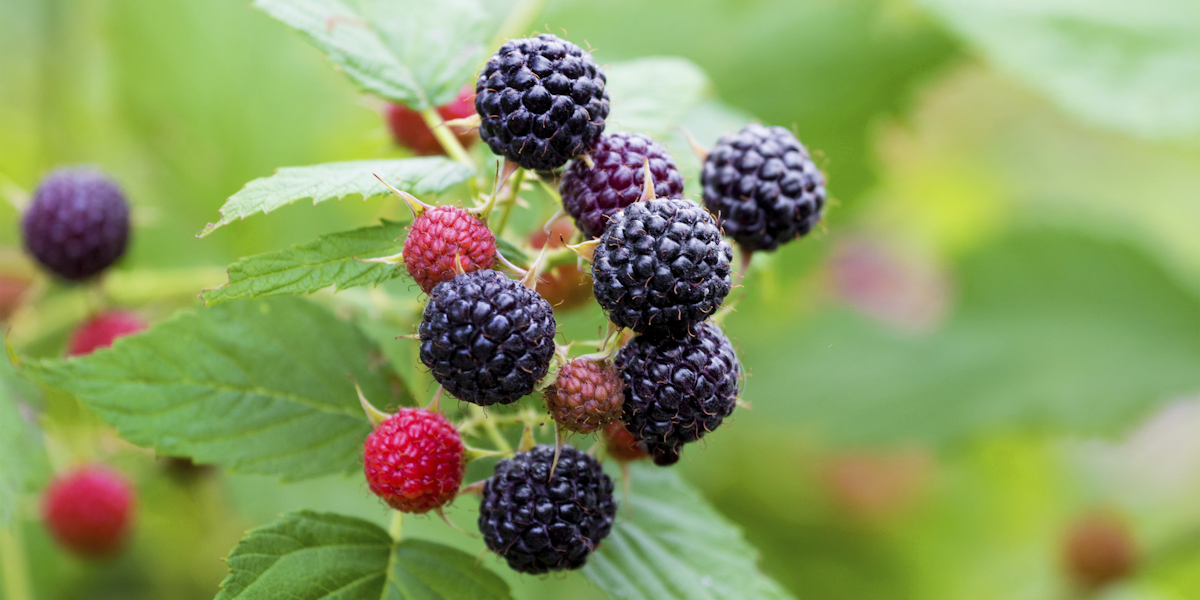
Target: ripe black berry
538 523
78 223
542 101
591 195
763 187
676 391
487 338
661 267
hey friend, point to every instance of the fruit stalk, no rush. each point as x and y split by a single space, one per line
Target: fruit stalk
12 565
510 201
446 138
517 23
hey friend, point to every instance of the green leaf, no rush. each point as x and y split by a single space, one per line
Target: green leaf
1052 330
332 181
511 252
258 386
1134 66
650 95
670 543
416 52
325 261
307 555
23 460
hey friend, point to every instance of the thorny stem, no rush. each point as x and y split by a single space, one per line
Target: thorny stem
510 201
518 21
12 564
447 138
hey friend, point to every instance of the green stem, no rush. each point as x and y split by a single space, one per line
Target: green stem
12 565
447 138
518 21
490 427
510 201
397 525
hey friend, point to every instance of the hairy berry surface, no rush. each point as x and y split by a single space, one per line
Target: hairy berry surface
678 390
414 460
661 267
409 128
77 224
89 511
592 195
486 338
102 330
441 235
763 186
620 444
541 102
586 395
540 523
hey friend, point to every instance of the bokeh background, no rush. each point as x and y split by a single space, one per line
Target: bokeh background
994 338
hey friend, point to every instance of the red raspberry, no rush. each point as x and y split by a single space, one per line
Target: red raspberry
102 330
621 444
586 395
414 460
566 286
1098 550
440 234
89 511
410 130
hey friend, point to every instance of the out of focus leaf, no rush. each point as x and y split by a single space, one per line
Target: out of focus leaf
651 95
307 555
23 459
258 386
1052 330
669 543
332 181
325 261
416 52
1134 66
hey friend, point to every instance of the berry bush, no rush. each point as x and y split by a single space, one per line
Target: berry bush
512 373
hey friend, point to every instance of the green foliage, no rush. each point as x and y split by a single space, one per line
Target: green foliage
256 386
1134 66
23 461
650 95
307 556
411 51
332 181
325 261
669 543
1051 330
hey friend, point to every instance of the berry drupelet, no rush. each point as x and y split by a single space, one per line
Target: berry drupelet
540 523
763 186
440 236
541 102
77 224
592 195
586 395
89 511
414 461
102 330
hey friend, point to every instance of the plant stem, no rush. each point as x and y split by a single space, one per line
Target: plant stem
518 21
510 201
12 565
447 138
490 427
396 526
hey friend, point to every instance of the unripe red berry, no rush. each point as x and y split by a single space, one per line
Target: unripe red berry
409 128
1098 549
414 461
565 286
621 445
586 395
102 330
89 511
439 236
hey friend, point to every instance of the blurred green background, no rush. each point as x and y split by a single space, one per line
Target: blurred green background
996 333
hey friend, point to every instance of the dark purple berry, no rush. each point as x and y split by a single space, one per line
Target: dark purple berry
540 523
486 338
78 223
661 267
763 187
592 195
676 391
542 102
